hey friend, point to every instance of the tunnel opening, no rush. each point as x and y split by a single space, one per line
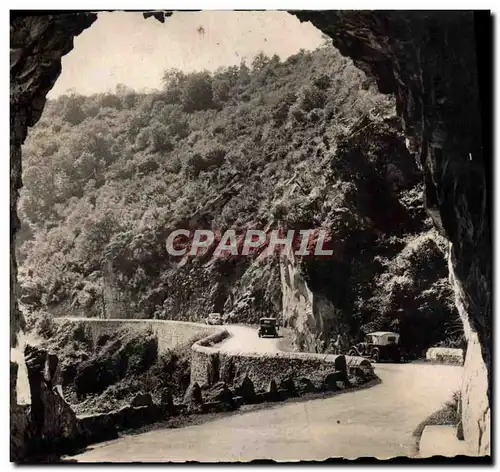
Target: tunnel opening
149 166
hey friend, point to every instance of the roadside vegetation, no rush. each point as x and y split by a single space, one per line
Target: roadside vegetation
448 414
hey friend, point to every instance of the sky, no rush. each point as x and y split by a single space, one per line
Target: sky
123 47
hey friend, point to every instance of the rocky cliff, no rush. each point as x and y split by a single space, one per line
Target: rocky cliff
36 47
428 60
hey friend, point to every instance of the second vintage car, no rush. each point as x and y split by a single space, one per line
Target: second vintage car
379 346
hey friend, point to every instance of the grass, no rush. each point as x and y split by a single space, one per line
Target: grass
446 415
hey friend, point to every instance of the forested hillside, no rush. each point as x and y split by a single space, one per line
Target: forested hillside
302 143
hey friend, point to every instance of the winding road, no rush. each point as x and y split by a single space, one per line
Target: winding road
246 339
375 422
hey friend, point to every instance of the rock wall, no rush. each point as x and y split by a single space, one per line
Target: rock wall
297 302
36 47
47 426
311 315
116 297
476 413
428 60
475 406
242 289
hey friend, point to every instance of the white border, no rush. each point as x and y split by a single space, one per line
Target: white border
256 5
186 5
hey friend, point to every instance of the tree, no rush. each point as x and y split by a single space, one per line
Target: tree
260 61
173 84
197 93
72 109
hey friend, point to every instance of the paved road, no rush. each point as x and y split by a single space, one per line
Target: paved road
375 422
246 339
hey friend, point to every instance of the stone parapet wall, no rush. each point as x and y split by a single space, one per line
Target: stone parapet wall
170 334
209 365
445 354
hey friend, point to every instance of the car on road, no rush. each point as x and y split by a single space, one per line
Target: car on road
268 327
214 319
379 346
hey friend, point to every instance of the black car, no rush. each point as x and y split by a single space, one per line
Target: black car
268 327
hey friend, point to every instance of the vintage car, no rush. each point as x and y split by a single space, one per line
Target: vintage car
268 327
379 346
214 319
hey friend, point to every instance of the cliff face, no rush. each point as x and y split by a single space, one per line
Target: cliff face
36 47
427 59
310 315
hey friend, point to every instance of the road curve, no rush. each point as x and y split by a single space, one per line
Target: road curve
374 422
246 339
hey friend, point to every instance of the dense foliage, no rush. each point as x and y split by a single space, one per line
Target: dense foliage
305 142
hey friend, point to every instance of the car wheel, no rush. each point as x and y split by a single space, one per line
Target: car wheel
376 356
352 352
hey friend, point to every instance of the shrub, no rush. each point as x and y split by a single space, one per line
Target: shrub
148 165
179 127
94 376
143 139
173 165
296 113
195 164
280 111
110 100
221 90
311 97
446 415
214 156
42 324
173 81
322 82
160 139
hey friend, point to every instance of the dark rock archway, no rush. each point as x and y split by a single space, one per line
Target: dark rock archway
428 60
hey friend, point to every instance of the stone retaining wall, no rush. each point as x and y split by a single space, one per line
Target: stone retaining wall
209 365
170 333
210 368
445 355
